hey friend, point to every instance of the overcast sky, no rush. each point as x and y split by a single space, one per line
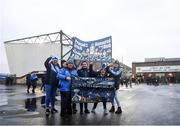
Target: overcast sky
139 28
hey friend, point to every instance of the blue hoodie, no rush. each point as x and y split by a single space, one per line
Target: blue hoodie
63 73
34 77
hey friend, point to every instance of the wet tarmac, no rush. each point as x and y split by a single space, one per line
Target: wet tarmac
141 105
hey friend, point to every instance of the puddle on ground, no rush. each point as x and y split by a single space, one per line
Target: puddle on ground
31 104
6 90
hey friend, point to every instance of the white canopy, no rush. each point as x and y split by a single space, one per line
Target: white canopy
28 57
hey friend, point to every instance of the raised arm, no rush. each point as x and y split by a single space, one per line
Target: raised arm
115 73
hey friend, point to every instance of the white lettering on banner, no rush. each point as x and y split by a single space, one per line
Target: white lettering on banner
158 69
106 46
98 50
78 47
103 42
81 43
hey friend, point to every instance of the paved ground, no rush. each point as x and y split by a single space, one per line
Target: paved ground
142 105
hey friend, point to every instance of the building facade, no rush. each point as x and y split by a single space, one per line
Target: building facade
167 70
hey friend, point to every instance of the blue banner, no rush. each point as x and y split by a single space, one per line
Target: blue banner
89 90
98 50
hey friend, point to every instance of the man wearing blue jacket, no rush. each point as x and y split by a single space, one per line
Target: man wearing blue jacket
65 75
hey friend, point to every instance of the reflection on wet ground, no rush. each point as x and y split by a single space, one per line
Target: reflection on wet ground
142 105
30 104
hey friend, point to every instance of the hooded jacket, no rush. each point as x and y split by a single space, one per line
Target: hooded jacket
33 77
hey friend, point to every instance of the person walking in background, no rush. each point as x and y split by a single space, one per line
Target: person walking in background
116 72
31 80
84 72
28 81
51 83
65 76
34 80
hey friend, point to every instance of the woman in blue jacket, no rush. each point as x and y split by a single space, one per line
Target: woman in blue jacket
65 75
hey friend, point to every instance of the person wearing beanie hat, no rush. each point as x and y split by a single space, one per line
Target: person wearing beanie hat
54 59
65 75
51 83
70 62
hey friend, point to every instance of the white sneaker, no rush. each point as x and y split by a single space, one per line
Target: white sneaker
93 111
105 111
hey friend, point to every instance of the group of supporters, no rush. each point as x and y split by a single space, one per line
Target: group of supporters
60 78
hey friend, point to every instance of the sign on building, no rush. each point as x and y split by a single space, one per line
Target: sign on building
150 69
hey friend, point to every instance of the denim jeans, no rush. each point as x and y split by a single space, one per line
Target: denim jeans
116 99
50 95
